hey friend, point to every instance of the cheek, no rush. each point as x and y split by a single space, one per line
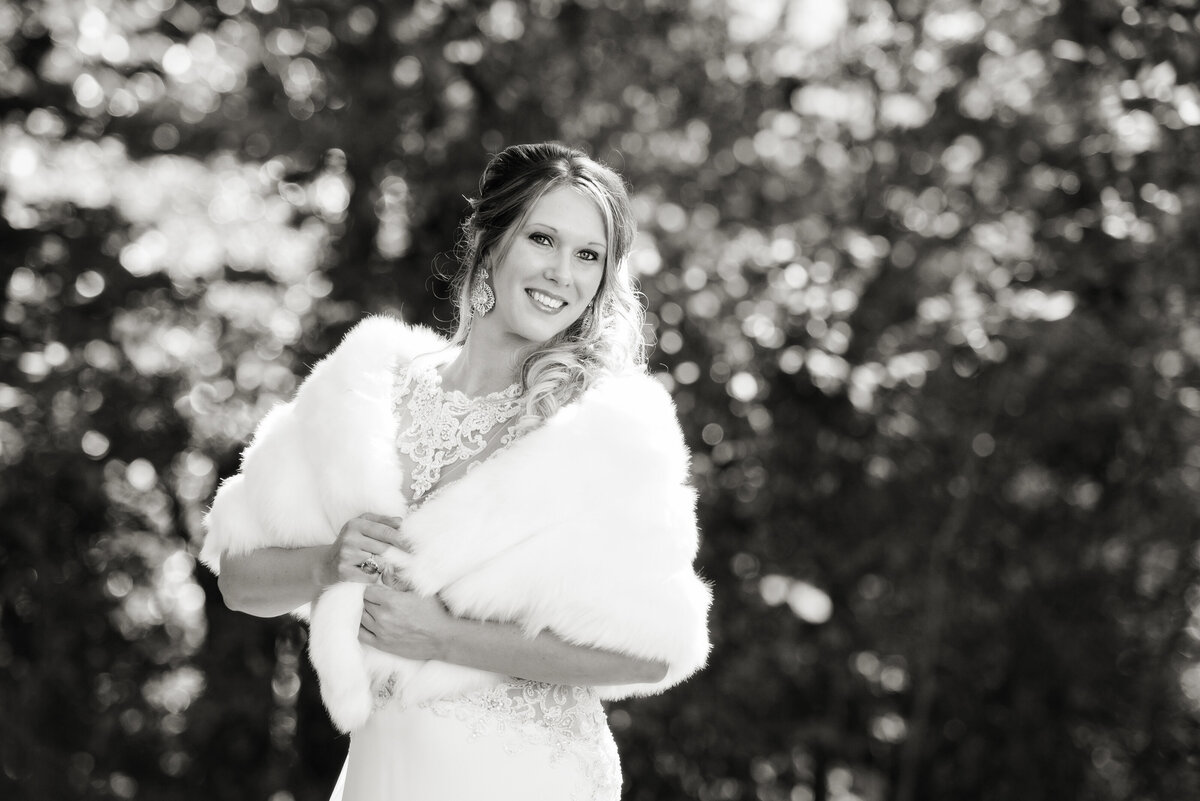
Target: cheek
593 284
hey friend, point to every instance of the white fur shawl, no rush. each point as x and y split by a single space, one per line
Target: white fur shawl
585 526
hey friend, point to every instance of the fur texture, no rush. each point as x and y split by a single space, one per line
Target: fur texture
584 527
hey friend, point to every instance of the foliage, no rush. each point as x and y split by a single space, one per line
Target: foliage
922 285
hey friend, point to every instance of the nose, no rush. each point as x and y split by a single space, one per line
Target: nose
558 268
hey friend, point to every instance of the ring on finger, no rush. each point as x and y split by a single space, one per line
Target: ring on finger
370 566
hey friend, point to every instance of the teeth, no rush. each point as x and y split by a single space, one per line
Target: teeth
546 300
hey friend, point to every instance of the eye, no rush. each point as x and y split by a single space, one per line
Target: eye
589 255
540 238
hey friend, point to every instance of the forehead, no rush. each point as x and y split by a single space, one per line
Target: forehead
571 213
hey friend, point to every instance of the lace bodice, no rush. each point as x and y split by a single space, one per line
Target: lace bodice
445 433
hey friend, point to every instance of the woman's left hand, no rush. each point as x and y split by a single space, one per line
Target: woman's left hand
397 620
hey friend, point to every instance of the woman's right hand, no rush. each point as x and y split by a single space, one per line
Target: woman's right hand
360 538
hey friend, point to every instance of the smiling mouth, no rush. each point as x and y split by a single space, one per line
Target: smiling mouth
547 302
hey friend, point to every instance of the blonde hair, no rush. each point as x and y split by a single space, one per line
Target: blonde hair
606 340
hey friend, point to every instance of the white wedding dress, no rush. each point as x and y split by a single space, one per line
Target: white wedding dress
519 741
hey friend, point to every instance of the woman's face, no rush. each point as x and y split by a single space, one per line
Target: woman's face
551 271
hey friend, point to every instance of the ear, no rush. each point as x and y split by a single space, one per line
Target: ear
488 265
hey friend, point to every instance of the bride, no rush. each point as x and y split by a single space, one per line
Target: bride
492 533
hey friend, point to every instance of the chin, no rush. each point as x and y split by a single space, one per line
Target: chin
540 334
542 337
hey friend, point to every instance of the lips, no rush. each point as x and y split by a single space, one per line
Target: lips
546 301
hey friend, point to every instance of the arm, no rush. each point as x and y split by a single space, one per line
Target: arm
401 622
273 581
269 582
502 648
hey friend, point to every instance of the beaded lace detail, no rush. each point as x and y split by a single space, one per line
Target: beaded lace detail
448 427
569 721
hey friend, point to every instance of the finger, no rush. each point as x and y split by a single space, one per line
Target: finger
397 580
385 595
367 532
354 574
365 635
386 520
350 565
349 568
380 532
353 550
360 542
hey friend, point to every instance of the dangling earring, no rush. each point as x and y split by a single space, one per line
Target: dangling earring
482 297
585 319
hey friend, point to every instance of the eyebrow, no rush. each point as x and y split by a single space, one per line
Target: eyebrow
600 245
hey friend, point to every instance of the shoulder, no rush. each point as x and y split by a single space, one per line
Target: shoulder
635 394
633 407
381 339
375 345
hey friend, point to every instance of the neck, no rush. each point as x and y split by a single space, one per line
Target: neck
483 365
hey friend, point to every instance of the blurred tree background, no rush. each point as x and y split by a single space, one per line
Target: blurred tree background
923 285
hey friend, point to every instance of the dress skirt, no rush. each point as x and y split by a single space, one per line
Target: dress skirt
518 741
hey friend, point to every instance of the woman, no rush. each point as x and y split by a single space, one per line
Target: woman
510 509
